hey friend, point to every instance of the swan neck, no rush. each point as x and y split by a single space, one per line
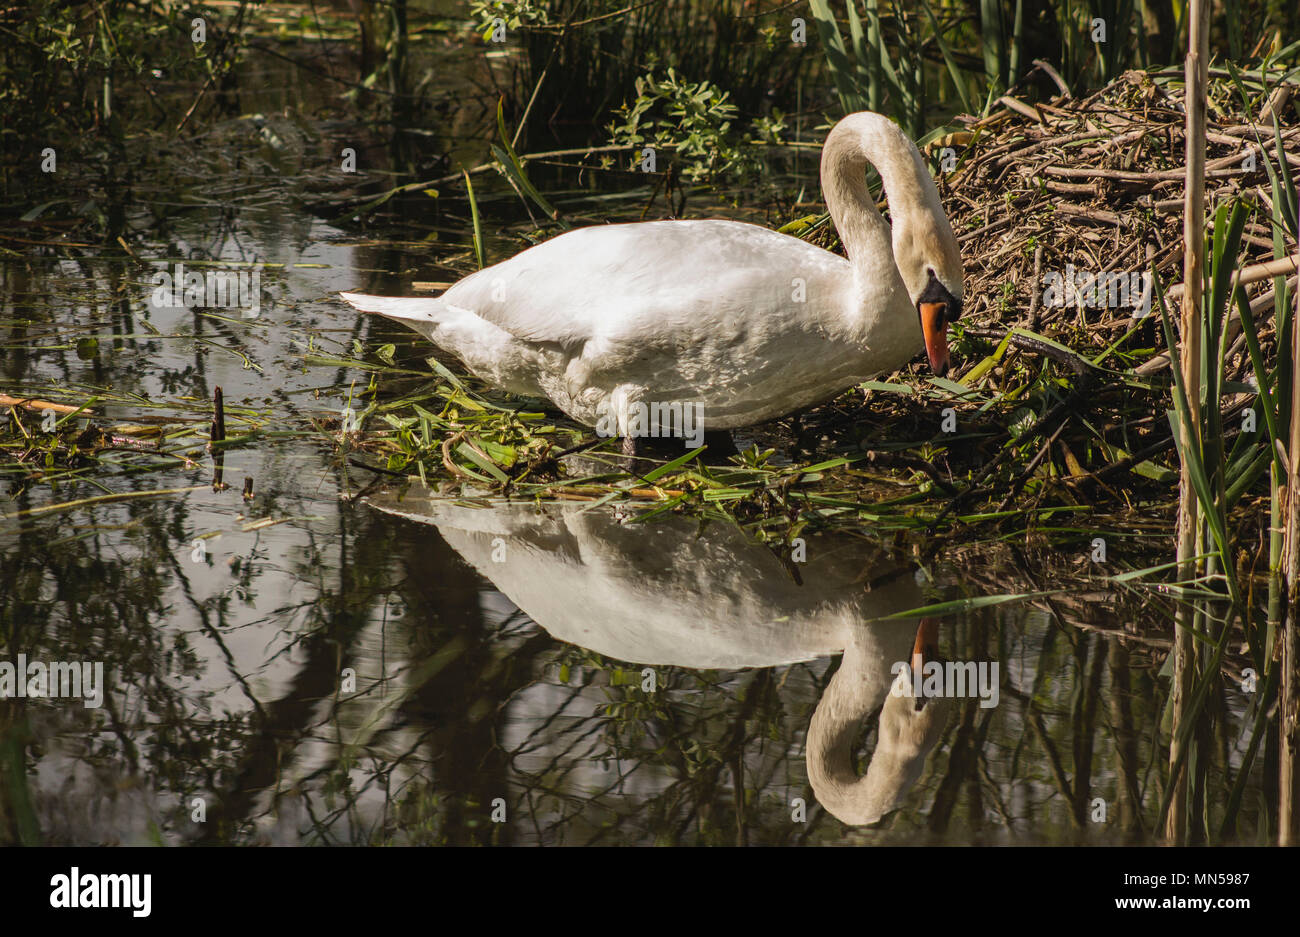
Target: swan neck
853 692
866 139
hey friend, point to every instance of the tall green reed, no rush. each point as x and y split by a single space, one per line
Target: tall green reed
1220 474
903 59
864 70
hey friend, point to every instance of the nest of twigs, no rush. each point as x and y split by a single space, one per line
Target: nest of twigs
1097 185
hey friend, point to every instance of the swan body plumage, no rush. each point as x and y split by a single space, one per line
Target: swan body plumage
742 322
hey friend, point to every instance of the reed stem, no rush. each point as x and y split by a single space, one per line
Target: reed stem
1189 519
1288 821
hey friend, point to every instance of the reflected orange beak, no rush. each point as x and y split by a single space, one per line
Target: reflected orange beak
925 649
934 325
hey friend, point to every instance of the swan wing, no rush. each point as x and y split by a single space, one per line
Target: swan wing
654 284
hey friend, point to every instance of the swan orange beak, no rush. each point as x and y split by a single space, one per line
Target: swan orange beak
934 325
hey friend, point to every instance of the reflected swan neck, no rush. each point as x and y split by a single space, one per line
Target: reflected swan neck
854 691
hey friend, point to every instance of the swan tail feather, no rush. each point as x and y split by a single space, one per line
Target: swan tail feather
402 308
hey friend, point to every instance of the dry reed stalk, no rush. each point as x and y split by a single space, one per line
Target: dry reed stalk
1288 821
1189 522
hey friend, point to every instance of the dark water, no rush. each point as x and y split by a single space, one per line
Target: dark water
307 667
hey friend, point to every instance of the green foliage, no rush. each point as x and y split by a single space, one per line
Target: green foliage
864 70
64 68
75 78
695 122
903 59
513 13
585 58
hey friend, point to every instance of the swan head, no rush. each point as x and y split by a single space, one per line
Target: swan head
936 307
925 250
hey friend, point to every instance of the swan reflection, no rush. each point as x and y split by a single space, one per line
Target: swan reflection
670 593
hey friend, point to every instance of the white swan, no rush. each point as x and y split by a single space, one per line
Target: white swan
668 594
738 321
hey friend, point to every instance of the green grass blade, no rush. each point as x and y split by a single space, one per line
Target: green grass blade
860 53
509 161
1288 207
836 57
966 605
478 227
994 44
958 77
672 466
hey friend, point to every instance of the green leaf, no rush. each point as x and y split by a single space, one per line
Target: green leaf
886 387
672 466
33 213
478 227
954 387
836 57
966 605
958 77
486 465
509 161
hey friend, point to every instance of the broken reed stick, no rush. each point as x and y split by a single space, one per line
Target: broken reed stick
217 435
1047 69
218 431
1021 108
100 499
35 403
